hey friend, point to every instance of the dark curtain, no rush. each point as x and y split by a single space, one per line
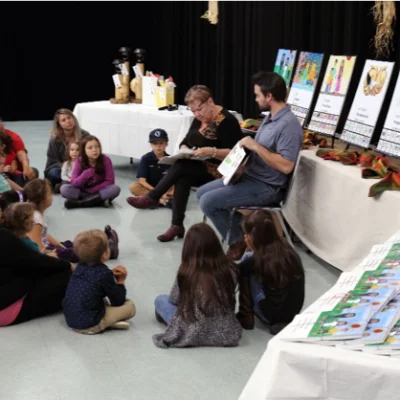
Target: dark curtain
58 54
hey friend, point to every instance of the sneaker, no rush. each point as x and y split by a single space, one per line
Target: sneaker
236 251
121 325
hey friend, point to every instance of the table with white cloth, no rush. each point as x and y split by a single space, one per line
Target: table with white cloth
123 129
329 210
309 371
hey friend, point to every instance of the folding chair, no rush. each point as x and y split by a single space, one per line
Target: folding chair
276 210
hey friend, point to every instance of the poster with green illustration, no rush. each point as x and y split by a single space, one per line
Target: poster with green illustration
284 64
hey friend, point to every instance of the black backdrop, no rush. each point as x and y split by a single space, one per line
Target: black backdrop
56 54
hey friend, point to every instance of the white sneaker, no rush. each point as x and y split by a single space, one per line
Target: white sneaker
121 325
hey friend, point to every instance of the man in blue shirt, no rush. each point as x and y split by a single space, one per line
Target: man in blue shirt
150 172
273 154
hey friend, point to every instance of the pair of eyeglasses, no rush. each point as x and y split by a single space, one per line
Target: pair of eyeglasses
198 108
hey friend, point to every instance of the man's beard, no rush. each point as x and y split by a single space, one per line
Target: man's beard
265 107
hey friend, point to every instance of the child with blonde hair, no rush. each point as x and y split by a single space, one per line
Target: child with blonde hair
86 309
68 166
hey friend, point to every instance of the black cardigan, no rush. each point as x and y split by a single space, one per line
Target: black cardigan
279 305
20 267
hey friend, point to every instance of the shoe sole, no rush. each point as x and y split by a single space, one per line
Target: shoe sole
170 240
115 239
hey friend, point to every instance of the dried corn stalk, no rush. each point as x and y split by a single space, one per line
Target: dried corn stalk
384 13
212 13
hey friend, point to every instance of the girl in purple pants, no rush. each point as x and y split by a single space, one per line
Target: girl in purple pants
93 180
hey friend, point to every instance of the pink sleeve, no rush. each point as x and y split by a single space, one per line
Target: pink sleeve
109 177
79 178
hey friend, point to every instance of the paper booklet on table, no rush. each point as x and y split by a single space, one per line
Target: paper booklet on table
327 327
183 154
376 298
378 329
389 346
231 163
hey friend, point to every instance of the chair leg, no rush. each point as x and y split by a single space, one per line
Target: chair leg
228 234
282 222
204 218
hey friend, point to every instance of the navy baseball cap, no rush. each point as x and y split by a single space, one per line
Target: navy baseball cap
158 134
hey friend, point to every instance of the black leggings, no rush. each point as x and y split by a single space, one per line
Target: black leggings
45 297
183 174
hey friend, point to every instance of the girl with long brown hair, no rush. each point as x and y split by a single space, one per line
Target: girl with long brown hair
93 179
200 310
272 276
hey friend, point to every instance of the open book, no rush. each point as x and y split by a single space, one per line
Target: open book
231 163
184 154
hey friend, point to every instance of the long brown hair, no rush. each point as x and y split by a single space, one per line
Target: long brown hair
36 191
275 261
58 132
205 276
99 168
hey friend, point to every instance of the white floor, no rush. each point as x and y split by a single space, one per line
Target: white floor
44 360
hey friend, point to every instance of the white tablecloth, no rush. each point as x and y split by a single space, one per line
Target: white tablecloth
308 371
123 129
330 211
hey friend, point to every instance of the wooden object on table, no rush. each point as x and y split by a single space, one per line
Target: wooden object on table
136 86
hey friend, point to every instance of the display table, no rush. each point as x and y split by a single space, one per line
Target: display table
330 211
123 129
309 371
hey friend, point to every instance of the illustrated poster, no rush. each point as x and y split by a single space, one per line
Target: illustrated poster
332 95
304 84
284 64
367 103
389 142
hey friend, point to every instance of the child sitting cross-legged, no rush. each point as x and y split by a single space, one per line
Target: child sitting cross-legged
86 308
150 172
200 310
272 282
18 218
93 180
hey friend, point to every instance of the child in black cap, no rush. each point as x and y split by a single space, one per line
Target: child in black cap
150 172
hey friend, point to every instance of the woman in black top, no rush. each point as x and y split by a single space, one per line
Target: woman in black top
213 133
272 275
38 280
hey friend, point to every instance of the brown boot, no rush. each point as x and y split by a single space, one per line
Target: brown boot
142 202
236 250
246 309
173 232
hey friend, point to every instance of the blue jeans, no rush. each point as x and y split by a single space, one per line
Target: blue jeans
257 293
164 308
54 175
217 200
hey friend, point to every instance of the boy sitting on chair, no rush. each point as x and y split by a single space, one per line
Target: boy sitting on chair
150 172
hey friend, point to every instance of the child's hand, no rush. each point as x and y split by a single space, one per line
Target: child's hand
52 254
120 273
7 168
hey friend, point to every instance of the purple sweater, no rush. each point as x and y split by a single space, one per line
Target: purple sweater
88 180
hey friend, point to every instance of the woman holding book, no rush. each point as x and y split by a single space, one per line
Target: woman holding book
212 134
